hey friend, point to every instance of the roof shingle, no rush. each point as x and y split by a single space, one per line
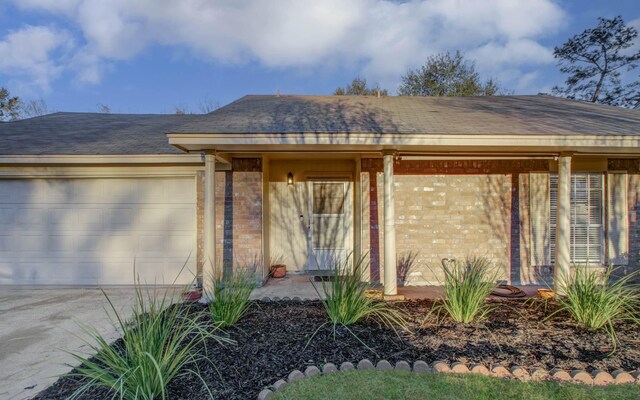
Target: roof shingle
91 133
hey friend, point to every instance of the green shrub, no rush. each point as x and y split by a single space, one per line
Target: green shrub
467 285
228 300
346 301
597 301
158 343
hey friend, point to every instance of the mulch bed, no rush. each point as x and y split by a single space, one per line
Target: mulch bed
278 337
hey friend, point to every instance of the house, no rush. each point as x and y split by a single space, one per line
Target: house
534 182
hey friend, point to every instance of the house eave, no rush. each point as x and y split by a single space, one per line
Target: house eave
375 142
109 159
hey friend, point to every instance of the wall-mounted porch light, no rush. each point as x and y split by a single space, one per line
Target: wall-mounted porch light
290 179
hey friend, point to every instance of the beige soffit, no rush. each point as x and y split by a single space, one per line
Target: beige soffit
609 144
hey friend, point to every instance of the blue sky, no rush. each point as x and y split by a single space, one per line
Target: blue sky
151 56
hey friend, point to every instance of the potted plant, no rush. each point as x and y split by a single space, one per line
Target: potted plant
277 269
193 293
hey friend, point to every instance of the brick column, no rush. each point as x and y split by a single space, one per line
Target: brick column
209 245
562 265
390 278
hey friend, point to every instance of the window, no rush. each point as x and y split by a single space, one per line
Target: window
587 235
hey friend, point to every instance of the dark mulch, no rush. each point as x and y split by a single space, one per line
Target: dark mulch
273 339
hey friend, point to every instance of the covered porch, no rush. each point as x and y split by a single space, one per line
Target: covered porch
406 185
301 287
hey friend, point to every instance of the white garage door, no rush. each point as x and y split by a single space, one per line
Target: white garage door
89 231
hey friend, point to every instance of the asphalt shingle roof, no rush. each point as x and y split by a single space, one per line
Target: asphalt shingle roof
92 133
509 115
89 133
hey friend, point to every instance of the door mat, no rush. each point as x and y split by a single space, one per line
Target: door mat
324 278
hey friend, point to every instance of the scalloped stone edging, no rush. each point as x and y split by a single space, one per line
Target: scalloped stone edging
268 299
597 377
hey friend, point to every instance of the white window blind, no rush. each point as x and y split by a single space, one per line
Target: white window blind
587 236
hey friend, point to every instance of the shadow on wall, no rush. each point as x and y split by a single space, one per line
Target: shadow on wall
518 213
287 229
251 266
406 264
307 216
88 242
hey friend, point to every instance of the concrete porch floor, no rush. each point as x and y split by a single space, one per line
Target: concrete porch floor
300 285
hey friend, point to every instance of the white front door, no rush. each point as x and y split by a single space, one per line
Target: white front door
330 231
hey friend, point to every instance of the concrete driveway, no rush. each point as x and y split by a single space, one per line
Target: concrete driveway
37 324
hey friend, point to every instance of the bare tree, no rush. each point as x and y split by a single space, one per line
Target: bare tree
208 105
34 108
103 108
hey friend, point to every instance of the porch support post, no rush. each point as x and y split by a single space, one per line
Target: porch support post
390 279
563 224
209 239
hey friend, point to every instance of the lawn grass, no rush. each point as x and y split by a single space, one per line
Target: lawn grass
371 385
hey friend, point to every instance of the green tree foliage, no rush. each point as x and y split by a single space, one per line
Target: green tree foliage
359 87
9 106
594 60
446 74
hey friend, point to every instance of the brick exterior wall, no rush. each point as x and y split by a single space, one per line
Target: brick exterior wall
238 215
450 209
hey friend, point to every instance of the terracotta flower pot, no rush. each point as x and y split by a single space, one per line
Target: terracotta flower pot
192 296
278 271
546 294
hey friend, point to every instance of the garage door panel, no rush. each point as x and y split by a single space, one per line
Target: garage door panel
90 244
120 191
7 244
152 243
34 243
165 271
175 272
118 271
180 243
121 218
18 192
152 219
118 244
181 191
89 231
90 219
152 192
181 219
31 217
74 271
61 244
61 218
152 271
57 190
90 191
7 217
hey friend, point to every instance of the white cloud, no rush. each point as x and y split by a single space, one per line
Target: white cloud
28 53
383 37
494 55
